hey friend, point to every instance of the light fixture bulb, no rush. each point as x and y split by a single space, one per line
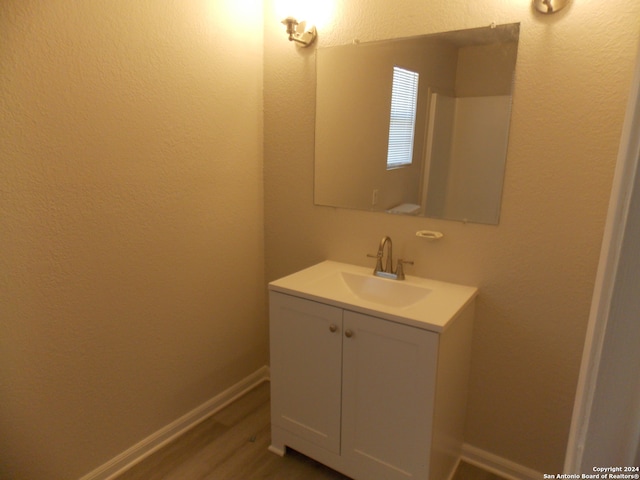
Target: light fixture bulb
291 24
549 6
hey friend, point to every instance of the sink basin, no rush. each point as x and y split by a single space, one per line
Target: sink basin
383 291
420 302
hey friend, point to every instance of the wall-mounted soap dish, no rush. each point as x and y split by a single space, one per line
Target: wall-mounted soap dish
429 235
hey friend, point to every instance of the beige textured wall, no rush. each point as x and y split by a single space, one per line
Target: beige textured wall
131 236
536 269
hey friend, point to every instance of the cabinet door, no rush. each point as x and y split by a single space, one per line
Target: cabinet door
388 395
306 358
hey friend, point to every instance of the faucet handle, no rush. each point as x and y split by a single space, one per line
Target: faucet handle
400 269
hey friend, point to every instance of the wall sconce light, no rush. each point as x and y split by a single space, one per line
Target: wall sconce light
303 39
549 6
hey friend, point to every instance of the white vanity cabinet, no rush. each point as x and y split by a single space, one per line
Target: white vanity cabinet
368 396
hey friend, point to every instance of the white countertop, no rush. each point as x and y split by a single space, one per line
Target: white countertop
323 283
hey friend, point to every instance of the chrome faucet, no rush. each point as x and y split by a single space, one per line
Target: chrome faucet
387 270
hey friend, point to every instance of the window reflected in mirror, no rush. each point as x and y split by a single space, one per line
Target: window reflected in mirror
402 119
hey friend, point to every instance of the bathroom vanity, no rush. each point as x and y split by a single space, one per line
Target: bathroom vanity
369 375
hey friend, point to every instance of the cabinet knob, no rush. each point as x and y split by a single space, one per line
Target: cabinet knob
333 328
348 333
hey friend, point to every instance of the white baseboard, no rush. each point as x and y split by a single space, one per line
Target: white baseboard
157 440
498 465
453 472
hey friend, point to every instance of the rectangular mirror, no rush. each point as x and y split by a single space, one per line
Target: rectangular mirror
416 126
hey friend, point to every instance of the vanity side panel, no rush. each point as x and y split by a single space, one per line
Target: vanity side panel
454 363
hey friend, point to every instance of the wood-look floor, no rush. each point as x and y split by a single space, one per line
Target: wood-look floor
232 445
